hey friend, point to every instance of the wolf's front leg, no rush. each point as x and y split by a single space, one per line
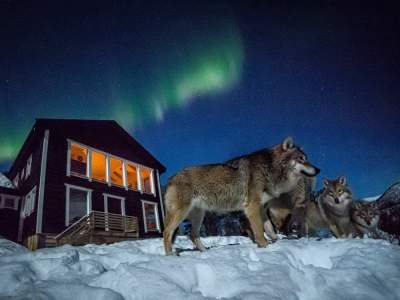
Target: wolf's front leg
253 214
270 230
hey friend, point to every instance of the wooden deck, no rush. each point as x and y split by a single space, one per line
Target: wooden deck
99 228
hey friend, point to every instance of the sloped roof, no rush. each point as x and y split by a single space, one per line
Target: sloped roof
103 129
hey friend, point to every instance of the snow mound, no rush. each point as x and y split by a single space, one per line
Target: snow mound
5 182
233 267
8 247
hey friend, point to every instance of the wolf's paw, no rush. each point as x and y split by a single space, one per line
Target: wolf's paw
262 243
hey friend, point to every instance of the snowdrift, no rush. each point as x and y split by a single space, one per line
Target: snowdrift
232 268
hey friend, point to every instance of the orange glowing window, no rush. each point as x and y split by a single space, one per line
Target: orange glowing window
145 175
150 216
79 157
98 166
116 171
131 176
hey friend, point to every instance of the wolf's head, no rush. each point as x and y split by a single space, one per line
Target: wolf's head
337 193
365 214
293 160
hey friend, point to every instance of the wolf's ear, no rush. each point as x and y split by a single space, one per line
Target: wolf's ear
357 205
374 205
287 143
326 182
342 180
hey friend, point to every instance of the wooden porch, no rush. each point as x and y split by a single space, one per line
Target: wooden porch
97 227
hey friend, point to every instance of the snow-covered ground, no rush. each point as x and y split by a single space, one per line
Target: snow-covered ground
289 269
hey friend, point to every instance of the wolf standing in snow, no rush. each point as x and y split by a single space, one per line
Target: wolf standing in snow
365 218
287 212
331 209
244 183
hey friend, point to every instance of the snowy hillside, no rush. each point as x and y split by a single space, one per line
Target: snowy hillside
288 269
5 182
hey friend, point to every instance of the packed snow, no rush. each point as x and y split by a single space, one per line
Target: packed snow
5 182
233 268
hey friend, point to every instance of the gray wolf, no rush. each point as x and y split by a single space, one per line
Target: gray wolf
242 184
332 209
365 218
287 212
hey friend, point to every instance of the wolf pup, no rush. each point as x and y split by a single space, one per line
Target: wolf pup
243 184
365 217
334 204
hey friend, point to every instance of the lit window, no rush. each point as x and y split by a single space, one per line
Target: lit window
79 158
147 184
116 171
131 172
98 166
78 200
150 215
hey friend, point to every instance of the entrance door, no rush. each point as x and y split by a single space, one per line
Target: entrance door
113 206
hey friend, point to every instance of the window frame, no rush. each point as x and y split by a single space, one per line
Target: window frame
106 196
68 188
28 169
91 178
29 207
108 181
155 204
16 180
88 171
152 186
3 198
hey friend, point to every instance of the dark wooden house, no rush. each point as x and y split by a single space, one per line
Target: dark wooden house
83 181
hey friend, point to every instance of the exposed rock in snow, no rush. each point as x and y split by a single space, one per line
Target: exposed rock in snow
389 204
390 197
288 269
5 182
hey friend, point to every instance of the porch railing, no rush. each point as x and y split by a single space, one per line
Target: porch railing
98 221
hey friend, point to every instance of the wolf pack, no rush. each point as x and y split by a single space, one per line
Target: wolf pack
274 188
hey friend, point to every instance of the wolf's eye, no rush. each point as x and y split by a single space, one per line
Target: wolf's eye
370 214
330 193
340 191
363 215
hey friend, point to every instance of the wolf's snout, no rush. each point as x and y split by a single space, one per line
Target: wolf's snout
310 171
337 201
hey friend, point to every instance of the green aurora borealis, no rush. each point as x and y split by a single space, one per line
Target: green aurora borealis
151 67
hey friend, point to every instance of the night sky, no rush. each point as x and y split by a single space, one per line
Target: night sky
201 83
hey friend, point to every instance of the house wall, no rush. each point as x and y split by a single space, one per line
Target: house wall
56 178
9 216
32 146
